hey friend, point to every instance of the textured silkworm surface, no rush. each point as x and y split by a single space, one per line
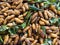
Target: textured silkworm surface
29 22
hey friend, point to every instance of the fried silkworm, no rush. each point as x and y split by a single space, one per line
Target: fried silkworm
18 20
6 38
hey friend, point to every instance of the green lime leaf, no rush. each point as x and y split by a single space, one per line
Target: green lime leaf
23 25
28 15
52 1
47 41
13 30
34 8
3 28
53 20
1 40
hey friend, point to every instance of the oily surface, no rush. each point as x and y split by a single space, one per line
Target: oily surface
24 22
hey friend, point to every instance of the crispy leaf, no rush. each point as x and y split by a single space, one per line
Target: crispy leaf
53 20
23 25
28 15
3 27
13 30
34 8
47 41
1 40
52 1
27 18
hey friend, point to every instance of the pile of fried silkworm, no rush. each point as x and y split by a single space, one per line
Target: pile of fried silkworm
37 28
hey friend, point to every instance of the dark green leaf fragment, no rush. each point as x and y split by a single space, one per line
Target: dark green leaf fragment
34 8
28 15
27 18
13 30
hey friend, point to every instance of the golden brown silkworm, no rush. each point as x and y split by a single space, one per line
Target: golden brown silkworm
6 38
53 35
23 37
27 28
46 21
41 23
35 41
18 20
40 14
26 6
6 8
1 20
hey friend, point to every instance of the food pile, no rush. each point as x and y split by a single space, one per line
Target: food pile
29 22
